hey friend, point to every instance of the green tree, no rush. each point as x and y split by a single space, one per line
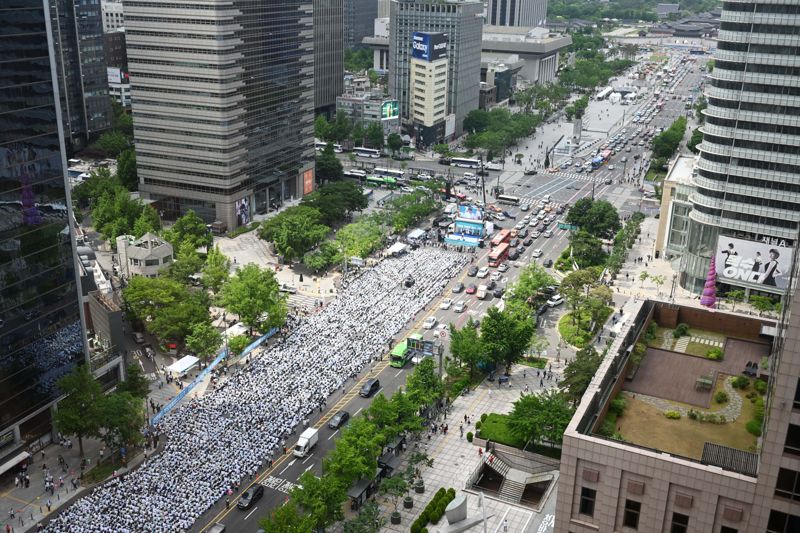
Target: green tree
148 222
190 227
506 336
734 297
126 169
643 276
135 382
322 128
341 127
115 213
597 217
323 257
407 413
287 518
527 292
253 294
761 303
696 138
358 133
579 373
466 346
321 498
123 416
368 520
121 121
424 386
79 414
575 287
393 488
295 231
187 262
658 281
204 341
113 143
335 201
100 182
361 238
394 142
666 142
216 270
477 121
356 452
166 306
540 417
587 250
442 149
357 59
237 344
375 135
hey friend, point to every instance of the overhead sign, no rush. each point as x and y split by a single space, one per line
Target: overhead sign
764 263
428 46
390 109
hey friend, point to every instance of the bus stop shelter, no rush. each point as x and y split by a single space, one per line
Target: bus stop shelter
183 365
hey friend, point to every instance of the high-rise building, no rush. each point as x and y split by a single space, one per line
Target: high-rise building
328 55
81 67
41 336
384 7
359 17
223 104
113 15
428 86
530 13
462 22
746 182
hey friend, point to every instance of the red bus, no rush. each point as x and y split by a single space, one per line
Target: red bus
498 255
504 235
606 155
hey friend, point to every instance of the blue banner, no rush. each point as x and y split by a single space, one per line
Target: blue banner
205 372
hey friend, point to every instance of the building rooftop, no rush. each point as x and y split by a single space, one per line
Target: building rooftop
523 39
682 169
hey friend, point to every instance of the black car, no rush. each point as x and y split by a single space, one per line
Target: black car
547 263
339 419
609 182
513 255
520 249
472 272
514 243
522 233
458 287
560 210
491 285
250 496
549 291
528 241
444 161
498 292
509 215
369 388
409 282
483 172
531 172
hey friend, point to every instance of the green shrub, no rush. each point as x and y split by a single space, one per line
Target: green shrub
758 412
650 332
469 436
715 354
415 527
693 415
607 428
681 331
673 415
477 426
483 417
760 386
451 493
753 427
721 397
740 382
423 530
617 406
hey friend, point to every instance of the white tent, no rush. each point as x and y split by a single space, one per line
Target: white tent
397 248
183 365
416 234
236 329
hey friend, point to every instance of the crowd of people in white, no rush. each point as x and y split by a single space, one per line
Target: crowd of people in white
227 435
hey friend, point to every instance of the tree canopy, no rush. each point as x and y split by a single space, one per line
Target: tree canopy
167 307
328 166
189 228
254 295
541 417
204 341
597 217
336 201
79 413
579 373
666 143
506 336
295 231
216 270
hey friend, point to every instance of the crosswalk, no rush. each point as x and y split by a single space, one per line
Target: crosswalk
303 301
582 176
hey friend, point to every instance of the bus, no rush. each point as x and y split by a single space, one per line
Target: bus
508 199
606 155
366 152
355 173
498 255
464 162
320 146
400 354
504 235
395 173
382 181
602 95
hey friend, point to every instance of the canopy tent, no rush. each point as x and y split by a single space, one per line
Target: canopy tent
397 248
236 329
17 459
183 365
416 234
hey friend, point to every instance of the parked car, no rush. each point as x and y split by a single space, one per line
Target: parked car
555 300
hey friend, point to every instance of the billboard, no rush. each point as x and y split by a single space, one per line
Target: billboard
390 109
308 182
428 46
470 212
243 211
449 125
114 75
763 263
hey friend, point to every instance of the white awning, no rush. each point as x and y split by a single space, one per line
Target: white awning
396 248
8 465
416 234
183 365
236 329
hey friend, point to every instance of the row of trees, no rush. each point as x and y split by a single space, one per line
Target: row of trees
666 143
341 129
498 129
577 108
316 502
623 241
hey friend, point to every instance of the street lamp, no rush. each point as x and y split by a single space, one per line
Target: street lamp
672 290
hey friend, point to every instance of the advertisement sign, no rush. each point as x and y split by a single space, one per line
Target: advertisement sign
470 212
449 125
428 46
764 263
114 75
243 211
390 109
308 182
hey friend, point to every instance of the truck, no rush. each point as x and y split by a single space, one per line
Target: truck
482 291
308 439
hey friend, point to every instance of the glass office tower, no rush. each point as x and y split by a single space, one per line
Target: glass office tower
41 337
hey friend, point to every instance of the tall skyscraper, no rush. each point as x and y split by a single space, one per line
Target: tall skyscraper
746 179
41 337
223 104
328 55
81 66
462 22
359 21
529 13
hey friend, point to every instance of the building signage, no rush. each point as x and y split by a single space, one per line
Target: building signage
308 182
763 263
390 109
428 46
114 75
470 212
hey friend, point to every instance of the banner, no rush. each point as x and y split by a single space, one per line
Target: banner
763 263
470 212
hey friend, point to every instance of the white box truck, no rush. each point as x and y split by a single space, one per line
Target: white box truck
308 439
482 291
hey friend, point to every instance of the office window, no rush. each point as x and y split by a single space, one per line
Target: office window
782 523
587 501
796 404
631 517
726 529
792 444
680 523
788 485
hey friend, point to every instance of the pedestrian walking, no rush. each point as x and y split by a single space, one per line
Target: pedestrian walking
461 428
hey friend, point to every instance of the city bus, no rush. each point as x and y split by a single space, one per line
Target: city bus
498 255
395 173
382 181
320 146
366 152
464 162
355 173
400 354
504 235
508 199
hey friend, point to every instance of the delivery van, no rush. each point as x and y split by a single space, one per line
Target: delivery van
308 439
482 290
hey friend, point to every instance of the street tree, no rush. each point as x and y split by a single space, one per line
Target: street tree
394 142
287 518
187 262
381 413
540 418
126 169
407 413
79 414
135 382
658 280
148 222
216 270
237 344
324 257
643 276
328 166
761 303
166 306
734 297
598 217
505 336
477 121
123 416
113 143
341 127
322 128
321 498
374 135
368 520
335 201
362 237
466 346
424 386
190 227
114 212
358 133
356 452
575 287
253 294
204 341
527 292
587 249
579 373
694 140
294 231
393 489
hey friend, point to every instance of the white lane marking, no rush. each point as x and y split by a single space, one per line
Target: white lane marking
251 512
287 467
332 434
500 523
359 410
398 373
309 468
307 458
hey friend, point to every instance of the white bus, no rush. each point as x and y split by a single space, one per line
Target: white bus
366 152
508 199
320 146
464 162
355 173
395 173
602 95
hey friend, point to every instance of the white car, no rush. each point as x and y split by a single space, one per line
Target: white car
547 234
537 253
611 167
423 177
483 272
446 303
429 322
526 218
519 225
459 307
556 300
524 207
406 189
502 268
496 276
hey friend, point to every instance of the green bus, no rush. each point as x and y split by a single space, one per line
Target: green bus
400 354
381 181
